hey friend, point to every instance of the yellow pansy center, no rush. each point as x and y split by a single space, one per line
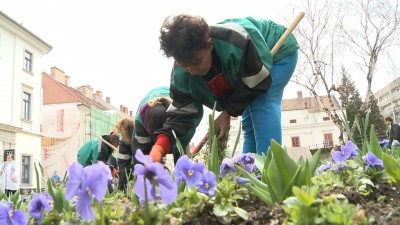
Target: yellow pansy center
190 173
10 214
88 191
206 185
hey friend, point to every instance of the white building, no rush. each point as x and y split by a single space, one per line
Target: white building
305 124
389 100
21 55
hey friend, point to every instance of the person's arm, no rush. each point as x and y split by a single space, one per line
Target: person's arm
248 66
184 115
15 174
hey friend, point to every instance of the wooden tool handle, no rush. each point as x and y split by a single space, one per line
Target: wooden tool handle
287 33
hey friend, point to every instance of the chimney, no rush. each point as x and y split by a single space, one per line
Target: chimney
299 94
121 108
131 113
67 82
58 74
87 91
108 99
99 94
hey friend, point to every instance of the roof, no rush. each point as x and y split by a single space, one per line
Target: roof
309 103
21 28
55 92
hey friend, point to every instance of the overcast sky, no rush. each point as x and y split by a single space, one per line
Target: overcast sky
113 45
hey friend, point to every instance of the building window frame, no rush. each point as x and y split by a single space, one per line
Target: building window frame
26 169
326 118
26 105
328 140
293 121
28 61
295 141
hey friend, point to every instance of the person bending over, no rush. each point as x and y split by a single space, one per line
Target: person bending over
228 64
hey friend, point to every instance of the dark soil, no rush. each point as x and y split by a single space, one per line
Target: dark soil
382 205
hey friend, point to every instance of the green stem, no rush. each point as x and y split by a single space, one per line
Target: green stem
102 221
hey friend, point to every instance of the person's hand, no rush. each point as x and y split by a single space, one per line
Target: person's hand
157 152
14 179
114 172
223 122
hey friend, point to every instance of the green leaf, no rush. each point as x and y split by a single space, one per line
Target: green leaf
305 198
37 180
214 157
305 175
314 161
256 182
220 210
262 194
392 167
241 212
284 163
259 161
178 144
237 139
375 147
288 189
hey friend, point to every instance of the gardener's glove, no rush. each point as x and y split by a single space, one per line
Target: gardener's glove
157 152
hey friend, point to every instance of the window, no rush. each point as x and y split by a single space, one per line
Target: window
326 118
28 61
26 105
295 141
328 140
293 121
26 169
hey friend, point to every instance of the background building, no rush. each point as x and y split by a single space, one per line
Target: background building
21 55
305 124
389 100
71 117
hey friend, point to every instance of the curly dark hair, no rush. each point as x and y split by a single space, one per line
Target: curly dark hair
181 35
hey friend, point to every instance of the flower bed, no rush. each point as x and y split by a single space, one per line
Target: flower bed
355 186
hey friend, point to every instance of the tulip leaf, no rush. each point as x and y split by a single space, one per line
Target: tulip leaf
260 193
252 179
259 161
288 189
314 161
375 147
305 175
284 163
392 167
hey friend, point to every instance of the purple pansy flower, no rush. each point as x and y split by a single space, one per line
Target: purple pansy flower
8 216
371 160
325 167
246 161
86 183
384 143
208 183
38 204
227 166
345 152
188 171
153 175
